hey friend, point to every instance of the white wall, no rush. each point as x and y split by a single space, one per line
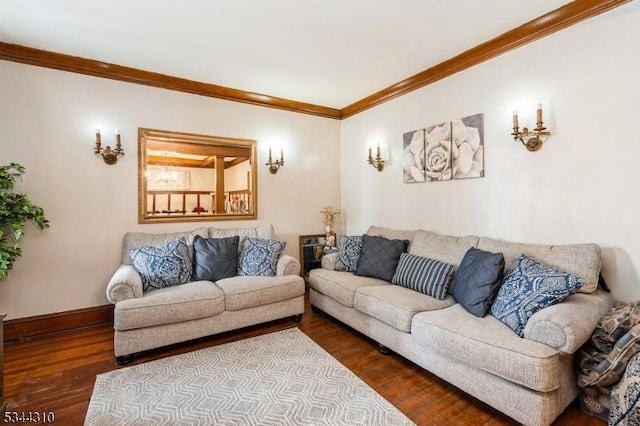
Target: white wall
237 178
47 123
581 187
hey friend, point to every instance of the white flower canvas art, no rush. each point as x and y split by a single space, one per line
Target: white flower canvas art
413 156
437 152
467 149
450 150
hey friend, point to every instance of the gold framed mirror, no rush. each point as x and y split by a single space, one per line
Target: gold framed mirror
184 177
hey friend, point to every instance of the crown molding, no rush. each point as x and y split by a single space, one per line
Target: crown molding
563 17
59 61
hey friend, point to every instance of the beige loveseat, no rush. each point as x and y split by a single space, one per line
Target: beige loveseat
148 320
530 379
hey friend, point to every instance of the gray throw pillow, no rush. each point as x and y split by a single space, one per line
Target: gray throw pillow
259 256
215 258
379 257
478 280
166 265
349 253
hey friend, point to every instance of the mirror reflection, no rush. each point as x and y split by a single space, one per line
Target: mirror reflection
185 177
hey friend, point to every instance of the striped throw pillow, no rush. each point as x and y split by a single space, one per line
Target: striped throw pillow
422 274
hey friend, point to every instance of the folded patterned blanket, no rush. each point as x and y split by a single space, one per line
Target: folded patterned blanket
603 359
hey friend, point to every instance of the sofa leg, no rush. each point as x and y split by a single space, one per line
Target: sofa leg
124 360
384 350
296 318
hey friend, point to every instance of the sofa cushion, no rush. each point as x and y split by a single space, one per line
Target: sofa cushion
142 239
215 258
349 253
263 231
396 305
444 248
379 257
458 334
340 286
392 234
248 292
477 281
529 287
190 301
166 265
581 260
423 275
259 256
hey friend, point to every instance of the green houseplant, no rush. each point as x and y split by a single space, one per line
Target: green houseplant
15 210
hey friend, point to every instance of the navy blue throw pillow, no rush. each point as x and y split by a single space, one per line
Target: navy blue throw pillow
379 257
478 280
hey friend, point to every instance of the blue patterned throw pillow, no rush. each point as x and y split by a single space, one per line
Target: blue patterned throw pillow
162 266
422 274
259 256
349 253
625 397
529 287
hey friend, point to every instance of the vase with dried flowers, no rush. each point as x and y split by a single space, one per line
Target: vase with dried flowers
330 213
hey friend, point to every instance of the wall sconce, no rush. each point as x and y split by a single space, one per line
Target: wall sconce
110 156
275 165
531 139
376 162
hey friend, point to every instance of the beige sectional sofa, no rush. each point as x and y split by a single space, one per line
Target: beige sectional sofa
148 320
530 378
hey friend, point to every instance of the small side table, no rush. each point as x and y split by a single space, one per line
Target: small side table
310 253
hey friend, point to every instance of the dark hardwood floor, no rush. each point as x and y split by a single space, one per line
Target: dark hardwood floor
58 373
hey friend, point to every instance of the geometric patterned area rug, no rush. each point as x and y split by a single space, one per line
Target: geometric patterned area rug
281 378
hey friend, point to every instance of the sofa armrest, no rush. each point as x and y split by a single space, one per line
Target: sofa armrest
287 265
329 261
126 283
568 325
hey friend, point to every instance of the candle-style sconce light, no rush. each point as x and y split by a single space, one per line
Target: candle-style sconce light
377 162
531 139
275 165
109 155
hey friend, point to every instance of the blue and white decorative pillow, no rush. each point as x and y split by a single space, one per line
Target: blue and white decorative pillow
529 287
162 266
259 256
625 397
428 276
348 253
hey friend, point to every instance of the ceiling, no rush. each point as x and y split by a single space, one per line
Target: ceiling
324 52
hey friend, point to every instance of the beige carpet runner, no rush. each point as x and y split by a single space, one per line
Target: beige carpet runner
281 378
